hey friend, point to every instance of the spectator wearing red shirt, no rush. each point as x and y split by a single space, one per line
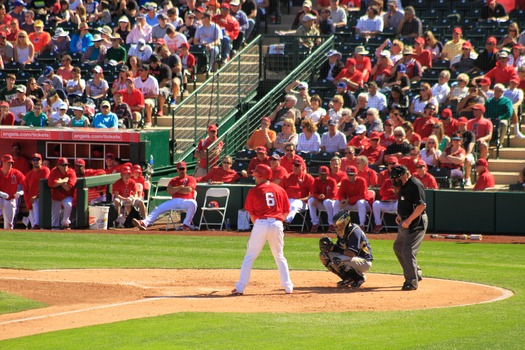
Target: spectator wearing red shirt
206 159
336 171
423 125
450 124
182 190
485 178
289 158
503 72
350 158
6 117
374 152
278 172
387 137
260 158
298 186
31 189
231 29
221 174
424 57
385 174
353 195
349 75
482 128
365 172
428 180
324 196
386 203
359 141
453 158
10 181
362 62
134 98
62 180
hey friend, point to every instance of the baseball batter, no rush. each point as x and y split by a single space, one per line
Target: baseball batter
351 256
268 205
10 181
412 223
31 190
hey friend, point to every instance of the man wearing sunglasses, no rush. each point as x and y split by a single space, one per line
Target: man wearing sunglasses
105 119
221 174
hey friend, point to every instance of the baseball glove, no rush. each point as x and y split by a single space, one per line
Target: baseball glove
326 245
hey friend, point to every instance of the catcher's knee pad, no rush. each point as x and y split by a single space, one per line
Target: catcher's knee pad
352 274
325 260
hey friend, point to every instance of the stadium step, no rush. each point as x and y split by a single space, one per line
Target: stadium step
505 178
506 165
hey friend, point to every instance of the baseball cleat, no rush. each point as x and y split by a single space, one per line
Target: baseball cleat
377 228
186 228
419 275
314 228
344 283
235 292
139 224
359 282
408 287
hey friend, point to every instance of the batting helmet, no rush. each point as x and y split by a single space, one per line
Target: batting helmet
213 204
264 170
341 221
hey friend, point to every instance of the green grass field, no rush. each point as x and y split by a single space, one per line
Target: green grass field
487 326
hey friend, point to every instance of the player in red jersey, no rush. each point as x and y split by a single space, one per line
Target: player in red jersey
182 191
279 173
31 190
353 195
125 193
324 195
298 186
387 203
95 194
10 180
62 180
485 178
268 205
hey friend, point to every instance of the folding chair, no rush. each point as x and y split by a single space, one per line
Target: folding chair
162 184
303 214
384 222
221 195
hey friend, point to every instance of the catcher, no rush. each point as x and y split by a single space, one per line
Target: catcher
351 256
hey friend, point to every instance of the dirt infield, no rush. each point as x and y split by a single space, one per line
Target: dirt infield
78 298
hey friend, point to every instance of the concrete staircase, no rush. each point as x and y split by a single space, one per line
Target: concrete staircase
510 162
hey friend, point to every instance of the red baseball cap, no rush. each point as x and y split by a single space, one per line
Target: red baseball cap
351 62
184 45
484 81
36 155
479 106
420 40
375 135
457 30
125 170
4 104
62 161
199 9
421 162
351 170
136 167
80 162
261 149
462 120
212 127
181 165
491 40
8 158
392 160
447 113
514 80
225 6
264 170
466 45
389 122
266 119
110 155
324 170
482 162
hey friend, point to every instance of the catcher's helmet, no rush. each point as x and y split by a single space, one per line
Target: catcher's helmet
264 170
213 204
341 221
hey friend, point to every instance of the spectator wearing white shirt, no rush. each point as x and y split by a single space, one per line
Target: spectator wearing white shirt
141 30
149 86
309 140
141 50
371 24
441 89
314 112
376 99
60 118
333 140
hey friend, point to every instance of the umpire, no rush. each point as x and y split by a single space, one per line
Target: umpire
412 223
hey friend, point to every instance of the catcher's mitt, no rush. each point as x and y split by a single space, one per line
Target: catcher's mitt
326 245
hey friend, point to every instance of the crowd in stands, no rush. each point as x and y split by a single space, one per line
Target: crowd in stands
82 54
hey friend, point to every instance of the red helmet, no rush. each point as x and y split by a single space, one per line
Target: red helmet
213 204
264 170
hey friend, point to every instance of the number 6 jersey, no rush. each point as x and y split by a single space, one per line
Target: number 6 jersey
267 200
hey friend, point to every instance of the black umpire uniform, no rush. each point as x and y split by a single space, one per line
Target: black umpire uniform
412 224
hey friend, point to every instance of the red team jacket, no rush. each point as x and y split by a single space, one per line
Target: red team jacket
10 181
353 191
298 186
31 182
328 188
58 193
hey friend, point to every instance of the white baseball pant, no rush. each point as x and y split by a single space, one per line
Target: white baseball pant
328 205
361 206
381 206
296 205
187 205
67 204
270 230
34 214
8 207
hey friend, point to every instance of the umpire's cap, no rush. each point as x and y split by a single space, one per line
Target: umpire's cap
263 170
398 171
